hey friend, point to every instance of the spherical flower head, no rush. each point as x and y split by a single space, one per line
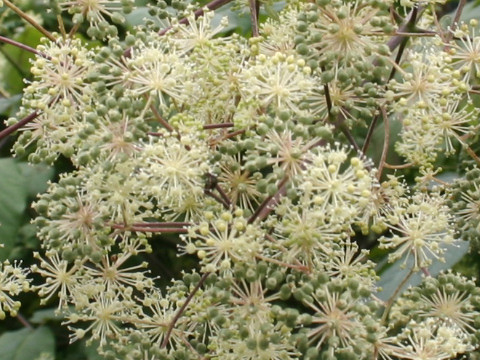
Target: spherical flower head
425 81
174 170
285 150
157 313
303 235
427 132
70 218
13 281
239 183
465 51
156 71
60 94
344 98
430 340
338 322
198 32
259 341
420 229
348 262
276 83
61 278
345 32
98 13
223 240
464 203
60 73
451 299
338 185
276 33
104 314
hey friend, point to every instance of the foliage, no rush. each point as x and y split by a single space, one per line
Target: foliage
239 180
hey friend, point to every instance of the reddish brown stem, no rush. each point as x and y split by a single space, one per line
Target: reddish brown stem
232 134
160 119
218 126
456 19
254 7
18 125
29 19
386 141
162 224
267 205
218 198
23 47
171 230
182 310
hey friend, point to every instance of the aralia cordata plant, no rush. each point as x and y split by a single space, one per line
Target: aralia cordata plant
247 153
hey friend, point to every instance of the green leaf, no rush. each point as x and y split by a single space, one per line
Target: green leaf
470 11
13 201
37 177
271 12
44 315
19 181
10 106
239 22
18 60
394 275
138 16
26 344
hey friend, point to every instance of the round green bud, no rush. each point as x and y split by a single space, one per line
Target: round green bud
251 275
302 26
285 292
271 283
117 18
251 343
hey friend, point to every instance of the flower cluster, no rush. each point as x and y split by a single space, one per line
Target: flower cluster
238 167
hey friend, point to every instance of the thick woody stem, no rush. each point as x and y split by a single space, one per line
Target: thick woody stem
254 7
